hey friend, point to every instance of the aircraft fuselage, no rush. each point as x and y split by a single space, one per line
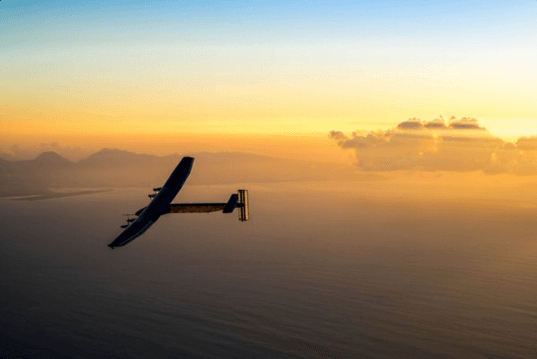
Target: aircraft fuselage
158 206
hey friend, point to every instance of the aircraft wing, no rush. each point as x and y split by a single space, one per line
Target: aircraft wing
158 206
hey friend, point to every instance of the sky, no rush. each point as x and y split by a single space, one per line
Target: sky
273 74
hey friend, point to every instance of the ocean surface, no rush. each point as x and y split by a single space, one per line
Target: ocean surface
321 270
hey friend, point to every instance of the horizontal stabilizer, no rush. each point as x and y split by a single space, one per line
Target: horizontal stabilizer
243 205
231 204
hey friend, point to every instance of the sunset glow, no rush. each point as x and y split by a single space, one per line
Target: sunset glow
383 152
76 70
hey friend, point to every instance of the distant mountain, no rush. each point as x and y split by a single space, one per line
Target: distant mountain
51 158
4 165
7 157
114 168
114 157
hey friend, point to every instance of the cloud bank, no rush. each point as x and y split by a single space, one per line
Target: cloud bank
455 145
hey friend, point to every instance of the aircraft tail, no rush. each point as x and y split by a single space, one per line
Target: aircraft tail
231 204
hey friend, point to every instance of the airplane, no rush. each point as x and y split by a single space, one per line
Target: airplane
161 204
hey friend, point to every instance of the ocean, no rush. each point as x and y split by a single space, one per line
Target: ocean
321 270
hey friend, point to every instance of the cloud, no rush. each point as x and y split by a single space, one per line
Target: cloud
411 123
338 136
527 143
436 124
458 145
465 123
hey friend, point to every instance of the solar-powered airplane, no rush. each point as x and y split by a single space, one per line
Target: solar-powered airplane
161 204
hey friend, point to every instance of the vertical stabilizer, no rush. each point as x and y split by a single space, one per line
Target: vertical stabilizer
232 203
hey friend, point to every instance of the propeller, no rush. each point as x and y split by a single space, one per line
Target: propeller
129 220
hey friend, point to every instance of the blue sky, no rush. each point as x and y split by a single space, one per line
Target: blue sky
384 23
313 65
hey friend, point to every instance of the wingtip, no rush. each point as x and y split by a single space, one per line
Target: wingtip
111 246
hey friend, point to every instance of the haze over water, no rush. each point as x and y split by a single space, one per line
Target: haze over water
322 270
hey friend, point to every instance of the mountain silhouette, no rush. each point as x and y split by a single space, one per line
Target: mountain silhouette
52 159
119 168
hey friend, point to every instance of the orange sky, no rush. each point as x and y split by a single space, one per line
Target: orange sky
313 147
229 76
